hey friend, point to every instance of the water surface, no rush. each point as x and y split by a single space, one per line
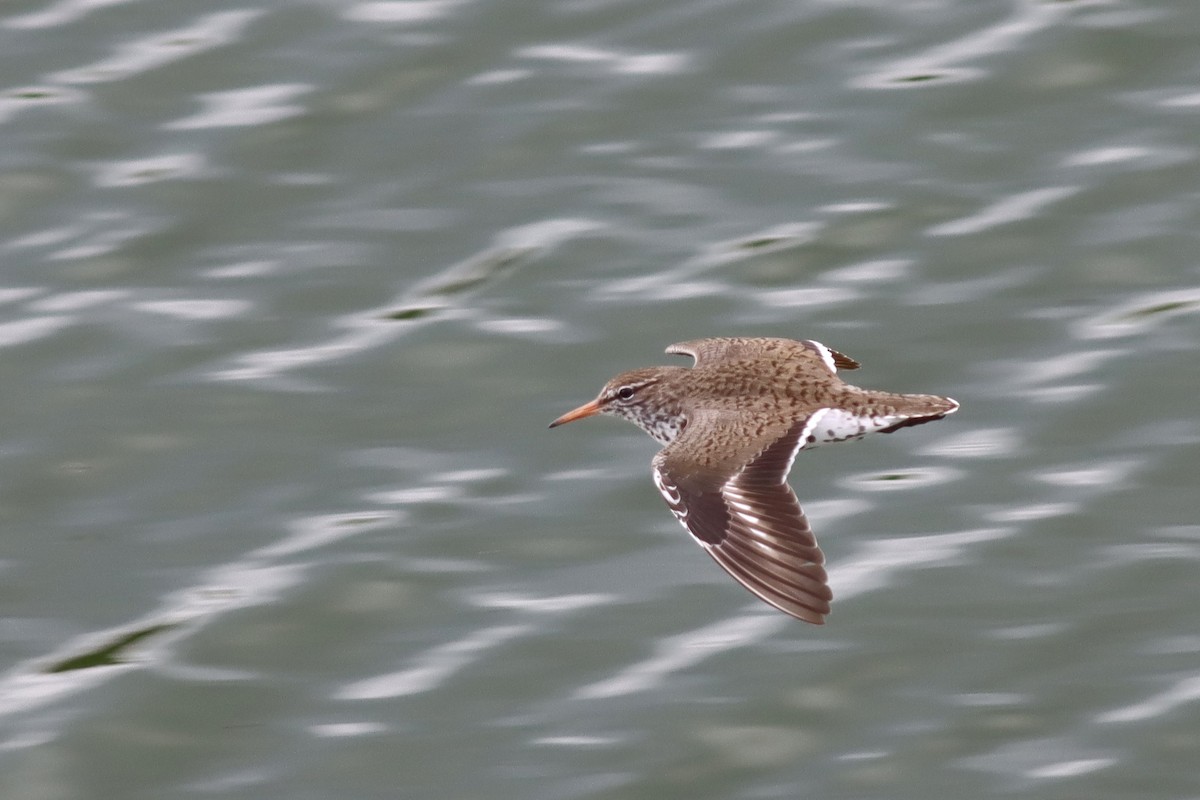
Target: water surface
290 292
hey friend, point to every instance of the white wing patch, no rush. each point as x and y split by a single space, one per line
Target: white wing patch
837 425
808 437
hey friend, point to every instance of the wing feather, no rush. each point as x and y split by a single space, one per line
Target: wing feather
751 523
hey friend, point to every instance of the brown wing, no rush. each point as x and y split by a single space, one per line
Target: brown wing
751 524
707 351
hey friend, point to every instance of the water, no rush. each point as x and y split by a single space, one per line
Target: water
290 292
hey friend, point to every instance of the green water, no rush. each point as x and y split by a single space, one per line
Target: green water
290 293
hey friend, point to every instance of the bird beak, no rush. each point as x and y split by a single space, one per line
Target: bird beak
585 410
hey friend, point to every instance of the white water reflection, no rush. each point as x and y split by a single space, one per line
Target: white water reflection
1181 693
1006 210
1114 473
615 62
874 567
196 310
901 479
140 171
400 11
942 61
677 653
24 331
61 13
977 443
734 180
1140 314
431 669
254 105
447 293
256 579
1041 759
159 49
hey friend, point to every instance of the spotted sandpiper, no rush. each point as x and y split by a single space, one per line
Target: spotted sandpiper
731 427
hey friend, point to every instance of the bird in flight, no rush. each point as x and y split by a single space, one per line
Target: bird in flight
731 427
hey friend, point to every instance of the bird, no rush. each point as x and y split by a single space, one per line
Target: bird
731 426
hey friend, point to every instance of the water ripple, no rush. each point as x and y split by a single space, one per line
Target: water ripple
886 270
809 296
101 233
1055 368
341 730
1071 769
940 63
1006 210
737 140
1139 314
255 579
24 98
1041 759
1140 158
1114 473
402 11
678 653
615 62
871 569
543 604
685 281
1026 512
23 331
15 294
77 301
194 310
60 13
978 443
254 105
150 170
1183 692
160 49
435 666
894 480
441 293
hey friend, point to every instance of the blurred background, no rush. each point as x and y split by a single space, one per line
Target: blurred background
290 291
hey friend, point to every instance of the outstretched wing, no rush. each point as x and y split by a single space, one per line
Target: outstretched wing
707 351
751 523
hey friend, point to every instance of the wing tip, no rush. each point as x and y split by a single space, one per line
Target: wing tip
812 616
811 604
830 357
844 361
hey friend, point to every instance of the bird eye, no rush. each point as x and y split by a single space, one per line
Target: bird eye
625 392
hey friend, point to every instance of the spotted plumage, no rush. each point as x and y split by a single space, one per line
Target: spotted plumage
731 427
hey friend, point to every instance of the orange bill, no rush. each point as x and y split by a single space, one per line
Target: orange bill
585 410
